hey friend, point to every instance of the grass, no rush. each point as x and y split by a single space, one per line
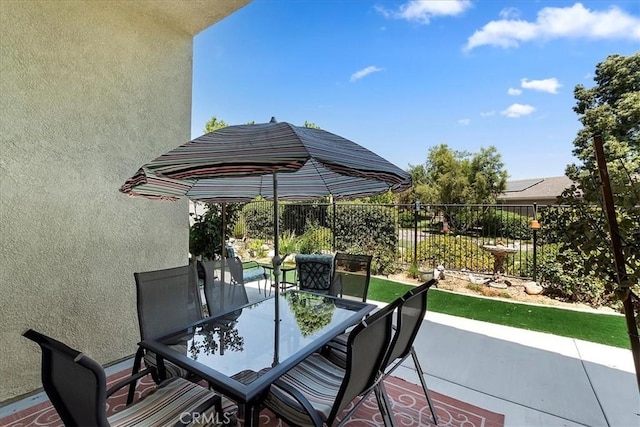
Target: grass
600 328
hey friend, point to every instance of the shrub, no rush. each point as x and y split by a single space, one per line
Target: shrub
562 272
368 229
455 253
240 228
289 243
256 248
295 217
505 224
406 219
205 235
258 217
316 239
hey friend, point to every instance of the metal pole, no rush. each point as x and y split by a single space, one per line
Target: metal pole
333 226
276 272
623 290
415 233
535 244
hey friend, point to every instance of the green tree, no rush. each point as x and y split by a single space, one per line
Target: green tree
214 124
311 125
205 235
456 177
611 108
487 176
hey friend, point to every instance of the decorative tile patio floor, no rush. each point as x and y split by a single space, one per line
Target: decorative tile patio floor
409 406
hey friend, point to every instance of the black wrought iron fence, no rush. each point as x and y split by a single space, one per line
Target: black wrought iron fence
399 236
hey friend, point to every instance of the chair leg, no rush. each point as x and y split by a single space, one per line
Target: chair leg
136 367
384 405
424 384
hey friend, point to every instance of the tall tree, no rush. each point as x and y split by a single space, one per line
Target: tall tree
487 176
214 124
455 177
611 108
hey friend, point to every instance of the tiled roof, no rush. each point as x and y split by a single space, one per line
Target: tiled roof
536 188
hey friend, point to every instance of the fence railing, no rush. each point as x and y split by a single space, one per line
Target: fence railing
401 235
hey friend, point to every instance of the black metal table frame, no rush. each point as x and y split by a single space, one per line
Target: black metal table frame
249 395
284 284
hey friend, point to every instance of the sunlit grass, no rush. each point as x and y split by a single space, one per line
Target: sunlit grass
600 328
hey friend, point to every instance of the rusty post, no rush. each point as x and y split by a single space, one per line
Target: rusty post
623 290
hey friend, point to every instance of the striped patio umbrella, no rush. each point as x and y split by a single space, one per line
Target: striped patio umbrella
278 161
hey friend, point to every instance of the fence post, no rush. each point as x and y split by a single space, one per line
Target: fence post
415 232
534 226
333 226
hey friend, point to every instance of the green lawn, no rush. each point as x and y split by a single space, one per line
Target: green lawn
599 328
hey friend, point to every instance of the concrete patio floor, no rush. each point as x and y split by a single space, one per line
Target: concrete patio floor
533 378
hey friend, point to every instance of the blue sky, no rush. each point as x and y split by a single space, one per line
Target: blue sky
399 77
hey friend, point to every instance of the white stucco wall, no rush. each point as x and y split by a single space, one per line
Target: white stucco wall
90 91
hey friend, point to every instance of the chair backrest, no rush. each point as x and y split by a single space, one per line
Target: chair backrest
75 384
351 275
411 313
231 253
168 300
222 296
235 269
366 349
314 272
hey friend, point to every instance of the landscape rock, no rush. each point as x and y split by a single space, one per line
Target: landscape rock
532 288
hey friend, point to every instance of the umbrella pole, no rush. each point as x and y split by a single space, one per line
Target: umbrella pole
276 271
223 250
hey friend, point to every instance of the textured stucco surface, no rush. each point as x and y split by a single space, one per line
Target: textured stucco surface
90 91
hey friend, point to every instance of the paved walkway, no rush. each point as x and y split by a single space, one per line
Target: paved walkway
533 378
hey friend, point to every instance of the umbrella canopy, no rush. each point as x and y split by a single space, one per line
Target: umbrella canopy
324 163
273 160
312 181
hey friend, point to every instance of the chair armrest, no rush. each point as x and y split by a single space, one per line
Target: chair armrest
250 264
135 377
300 399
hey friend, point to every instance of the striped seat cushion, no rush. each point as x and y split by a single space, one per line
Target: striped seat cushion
336 350
317 379
171 369
173 398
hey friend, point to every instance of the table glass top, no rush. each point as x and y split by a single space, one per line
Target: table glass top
242 344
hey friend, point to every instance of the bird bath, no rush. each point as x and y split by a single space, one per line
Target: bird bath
499 253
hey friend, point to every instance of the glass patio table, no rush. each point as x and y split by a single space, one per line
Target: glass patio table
242 352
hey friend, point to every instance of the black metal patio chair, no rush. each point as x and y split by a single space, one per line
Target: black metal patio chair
411 310
77 388
351 275
167 300
221 296
314 273
245 272
316 391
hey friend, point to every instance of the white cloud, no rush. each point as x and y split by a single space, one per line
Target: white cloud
557 22
364 72
464 122
422 11
514 92
509 13
547 85
487 113
518 110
